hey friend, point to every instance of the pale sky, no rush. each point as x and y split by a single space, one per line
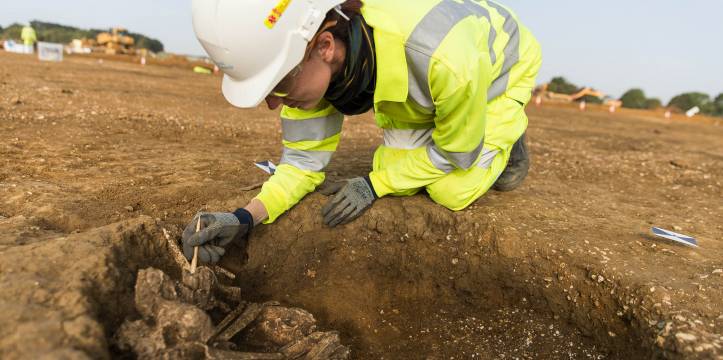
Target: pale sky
666 47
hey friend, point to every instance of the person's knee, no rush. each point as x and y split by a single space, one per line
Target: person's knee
451 199
460 189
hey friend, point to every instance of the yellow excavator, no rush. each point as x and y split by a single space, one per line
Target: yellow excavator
116 41
570 98
542 90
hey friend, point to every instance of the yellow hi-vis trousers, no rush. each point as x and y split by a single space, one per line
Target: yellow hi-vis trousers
460 188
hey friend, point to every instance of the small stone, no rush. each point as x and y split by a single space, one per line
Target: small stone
600 279
704 347
548 279
129 208
686 337
455 261
660 341
718 271
677 228
652 289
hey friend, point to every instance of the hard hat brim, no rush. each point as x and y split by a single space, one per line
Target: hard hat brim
251 91
245 94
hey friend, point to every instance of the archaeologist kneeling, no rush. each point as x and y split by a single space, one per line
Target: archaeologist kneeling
448 81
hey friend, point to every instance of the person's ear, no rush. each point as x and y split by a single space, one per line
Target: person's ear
325 46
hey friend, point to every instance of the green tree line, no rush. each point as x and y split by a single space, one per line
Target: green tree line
65 34
636 99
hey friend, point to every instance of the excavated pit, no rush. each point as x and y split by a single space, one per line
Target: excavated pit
400 289
426 285
402 282
412 282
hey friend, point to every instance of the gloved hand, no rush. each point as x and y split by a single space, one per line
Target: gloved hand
352 198
217 231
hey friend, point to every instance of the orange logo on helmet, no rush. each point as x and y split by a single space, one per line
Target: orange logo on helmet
276 13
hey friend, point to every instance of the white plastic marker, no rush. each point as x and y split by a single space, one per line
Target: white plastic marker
194 261
679 238
267 166
692 112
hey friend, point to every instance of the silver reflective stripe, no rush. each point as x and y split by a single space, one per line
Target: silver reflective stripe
491 42
429 34
446 160
316 129
436 25
419 93
441 163
306 160
443 160
512 52
407 139
438 159
488 156
423 43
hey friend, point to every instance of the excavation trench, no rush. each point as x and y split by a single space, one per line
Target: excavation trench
409 282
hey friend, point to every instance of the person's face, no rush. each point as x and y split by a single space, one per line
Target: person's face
305 86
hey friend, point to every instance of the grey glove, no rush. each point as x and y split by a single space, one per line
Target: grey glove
351 200
218 230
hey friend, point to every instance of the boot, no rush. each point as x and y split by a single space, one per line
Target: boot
516 169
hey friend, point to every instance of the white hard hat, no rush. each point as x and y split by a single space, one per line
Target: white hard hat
256 42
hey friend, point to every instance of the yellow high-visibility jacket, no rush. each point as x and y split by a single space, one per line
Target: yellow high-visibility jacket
28 35
439 63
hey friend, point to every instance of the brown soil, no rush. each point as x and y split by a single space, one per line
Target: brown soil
96 159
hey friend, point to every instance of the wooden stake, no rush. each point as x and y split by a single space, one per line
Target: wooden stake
194 261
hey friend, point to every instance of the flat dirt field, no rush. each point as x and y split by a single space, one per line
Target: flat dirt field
97 159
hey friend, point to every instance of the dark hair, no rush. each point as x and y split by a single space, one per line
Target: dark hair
350 8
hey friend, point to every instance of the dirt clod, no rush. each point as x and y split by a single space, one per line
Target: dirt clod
153 287
279 326
168 325
175 325
199 288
